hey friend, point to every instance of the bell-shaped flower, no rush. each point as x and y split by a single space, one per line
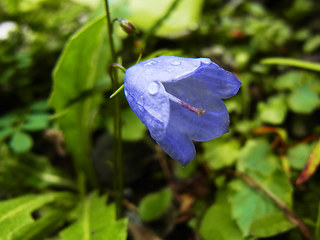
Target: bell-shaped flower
179 100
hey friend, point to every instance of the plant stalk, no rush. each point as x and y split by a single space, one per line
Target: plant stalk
117 141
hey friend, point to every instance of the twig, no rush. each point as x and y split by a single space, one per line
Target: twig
288 212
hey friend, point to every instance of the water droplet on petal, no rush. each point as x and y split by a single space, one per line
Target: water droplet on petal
176 63
153 88
149 63
206 60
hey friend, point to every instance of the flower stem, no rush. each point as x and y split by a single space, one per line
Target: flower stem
117 142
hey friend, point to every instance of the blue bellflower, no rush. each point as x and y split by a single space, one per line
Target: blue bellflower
179 100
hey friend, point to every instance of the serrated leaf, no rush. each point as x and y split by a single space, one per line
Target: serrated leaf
44 226
217 222
274 110
81 66
16 213
155 204
21 142
303 100
271 224
95 220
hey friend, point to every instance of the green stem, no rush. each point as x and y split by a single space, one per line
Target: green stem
292 62
117 142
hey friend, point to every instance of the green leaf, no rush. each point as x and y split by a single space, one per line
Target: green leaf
217 222
183 19
248 204
6 132
312 44
44 226
132 128
80 68
155 204
215 152
36 122
8 120
16 213
274 110
95 220
299 154
271 224
255 156
21 142
303 100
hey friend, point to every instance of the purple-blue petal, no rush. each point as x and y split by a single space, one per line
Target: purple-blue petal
177 146
152 109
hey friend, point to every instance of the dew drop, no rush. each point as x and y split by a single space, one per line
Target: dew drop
176 63
206 60
149 63
153 88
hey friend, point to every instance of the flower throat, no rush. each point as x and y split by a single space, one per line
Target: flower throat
199 111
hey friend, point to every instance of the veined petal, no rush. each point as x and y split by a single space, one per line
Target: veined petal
150 103
164 69
177 146
212 124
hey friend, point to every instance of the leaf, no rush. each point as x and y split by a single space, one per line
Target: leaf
303 100
255 156
271 224
183 19
81 66
155 204
44 226
6 132
249 204
95 220
217 222
21 142
274 110
16 213
215 152
36 122
298 155
311 166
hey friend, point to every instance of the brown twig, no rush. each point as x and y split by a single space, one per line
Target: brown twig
288 212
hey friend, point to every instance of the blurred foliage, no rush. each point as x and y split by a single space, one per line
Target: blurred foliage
260 180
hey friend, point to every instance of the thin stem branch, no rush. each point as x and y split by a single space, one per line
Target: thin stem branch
287 211
292 62
117 141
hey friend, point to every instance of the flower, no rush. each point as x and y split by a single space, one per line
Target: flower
179 100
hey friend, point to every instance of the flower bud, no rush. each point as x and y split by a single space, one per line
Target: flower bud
126 26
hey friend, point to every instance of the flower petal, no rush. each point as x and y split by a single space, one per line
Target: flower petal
149 102
164 68
177 146
212 124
